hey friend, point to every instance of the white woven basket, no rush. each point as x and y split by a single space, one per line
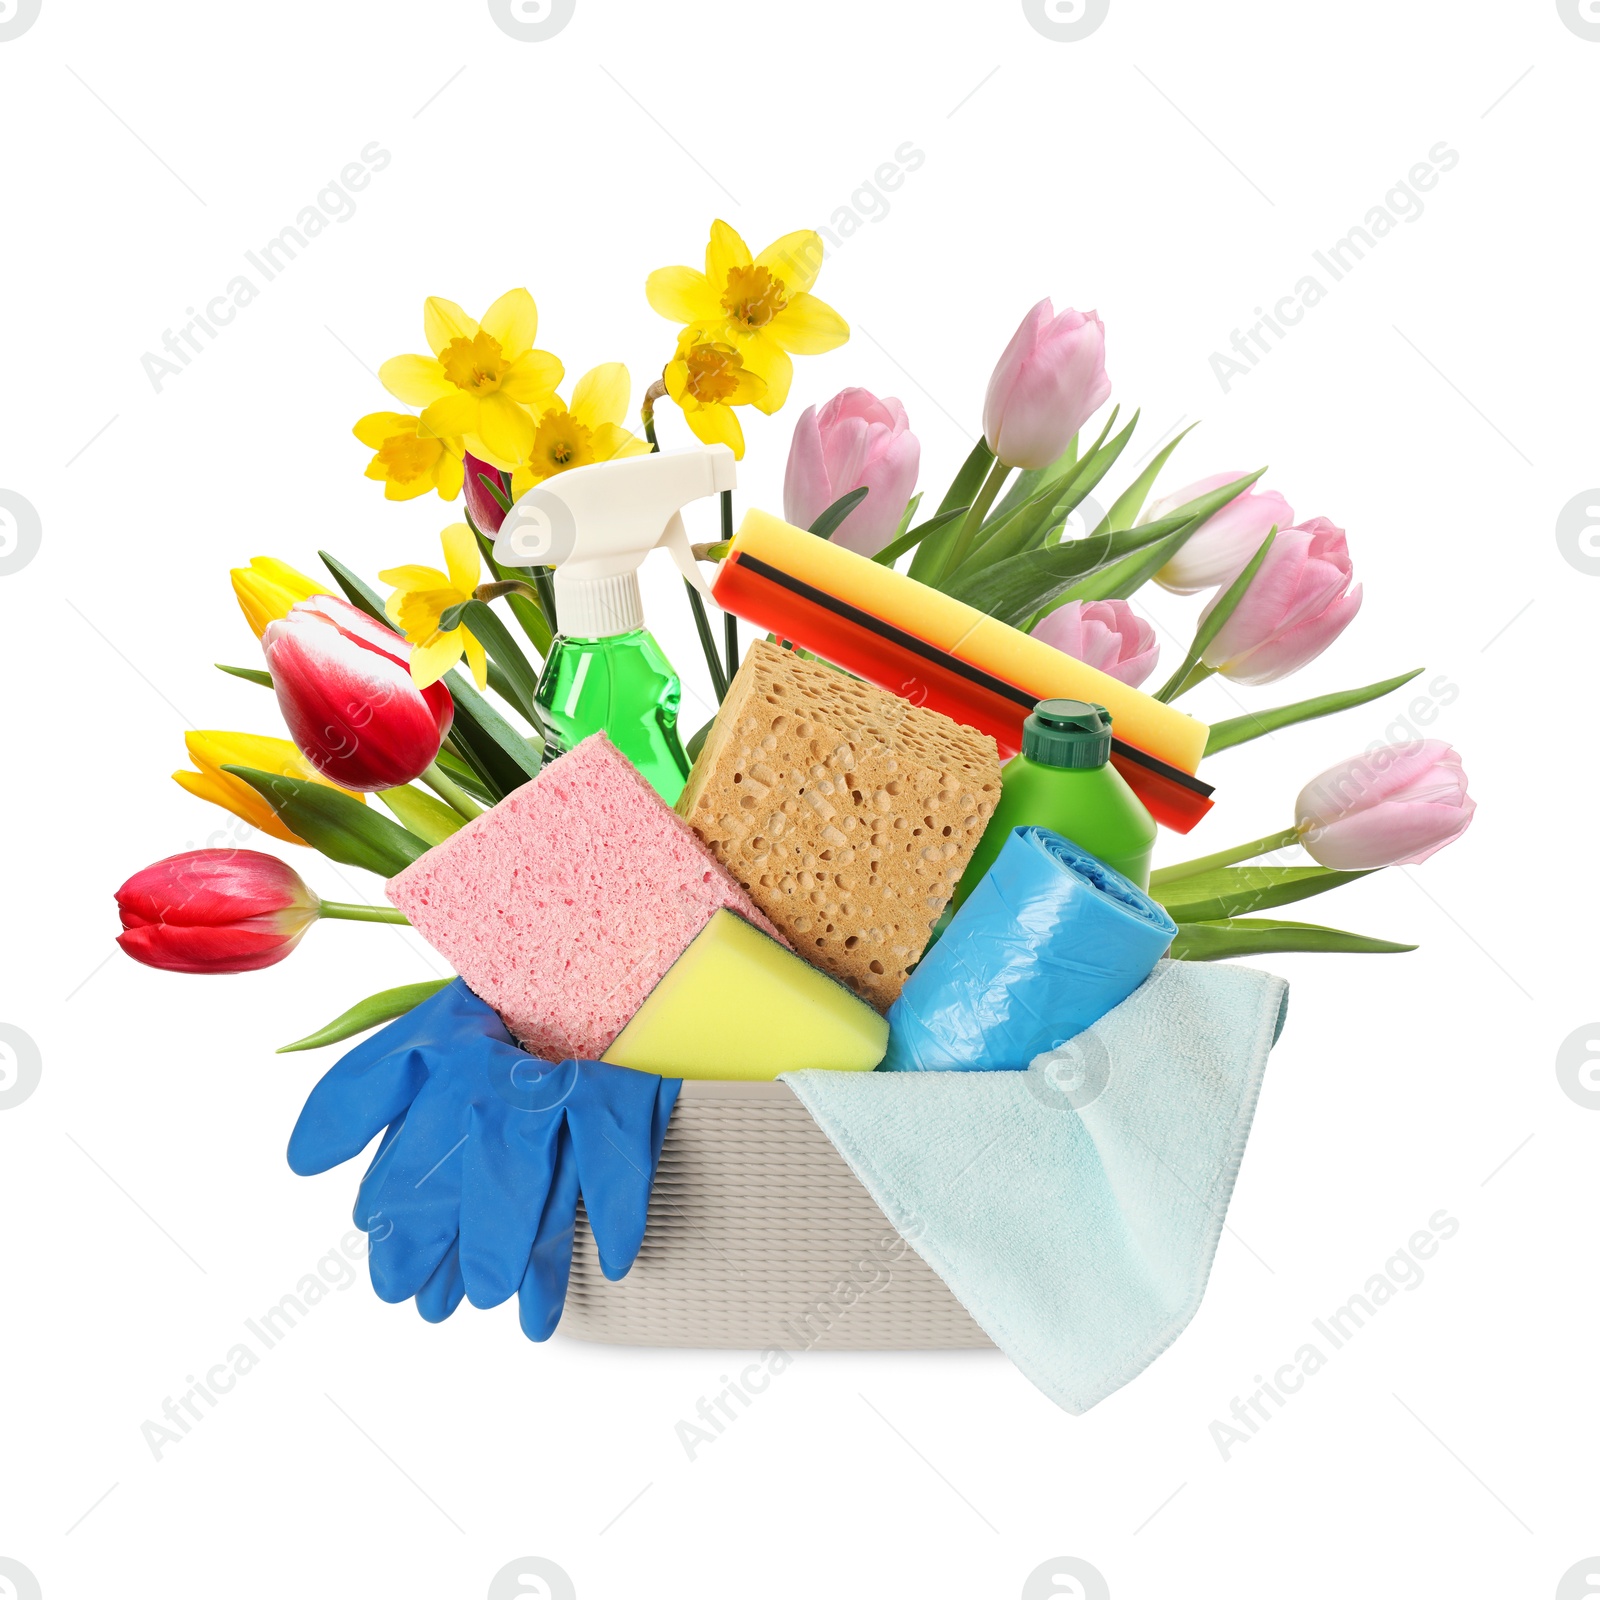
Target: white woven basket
759 1235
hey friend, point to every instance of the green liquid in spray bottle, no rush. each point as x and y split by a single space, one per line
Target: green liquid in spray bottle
624 685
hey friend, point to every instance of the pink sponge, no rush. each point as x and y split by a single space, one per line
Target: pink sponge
565 904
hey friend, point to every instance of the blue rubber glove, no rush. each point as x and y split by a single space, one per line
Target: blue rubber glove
473 1190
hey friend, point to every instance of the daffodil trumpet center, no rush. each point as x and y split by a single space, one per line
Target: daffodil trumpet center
407 457
713 372
753 297
561 441
476 365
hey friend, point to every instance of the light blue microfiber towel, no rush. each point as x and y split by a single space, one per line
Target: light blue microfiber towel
1073 1209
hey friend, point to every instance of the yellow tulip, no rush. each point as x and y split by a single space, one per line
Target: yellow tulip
589 430
211 751
421 597
480 376
760 305
707 378
267 588
410 459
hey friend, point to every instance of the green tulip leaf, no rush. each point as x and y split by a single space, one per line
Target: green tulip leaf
1028 483
384 1006
963 491
1031 524
841 508
359 594
249 674
1045 483
329 820
502 758
459 772
491 482
504 651
910 539
1228 891
908 516
1253 724
1015 589
1127 506
1211 624
940 533
528 612
421 813
1234 937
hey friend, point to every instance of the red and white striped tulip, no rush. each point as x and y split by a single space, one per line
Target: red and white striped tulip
344 686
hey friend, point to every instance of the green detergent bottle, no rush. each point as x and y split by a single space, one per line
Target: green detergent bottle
605 673
1064 780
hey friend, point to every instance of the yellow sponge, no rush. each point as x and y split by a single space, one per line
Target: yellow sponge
736 1004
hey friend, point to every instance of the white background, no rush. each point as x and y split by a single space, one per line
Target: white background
1173 171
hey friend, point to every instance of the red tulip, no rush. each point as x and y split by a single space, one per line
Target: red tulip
482 507
214 911
344 687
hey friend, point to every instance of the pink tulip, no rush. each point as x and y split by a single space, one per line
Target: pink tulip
344 687
214 911
855 441
1050 381
1106 634
1226 540
1293 610
486 512
1390 807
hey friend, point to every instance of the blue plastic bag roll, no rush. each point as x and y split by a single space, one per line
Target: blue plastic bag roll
1049 941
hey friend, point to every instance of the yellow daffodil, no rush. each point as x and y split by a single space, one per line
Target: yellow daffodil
761 305
411 458
267 588
211 751
480 376
588 430
707 377
421 597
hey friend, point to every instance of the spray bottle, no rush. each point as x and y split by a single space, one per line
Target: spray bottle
595 525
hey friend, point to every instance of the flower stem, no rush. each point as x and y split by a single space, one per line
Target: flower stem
1189 674
346 911
1224 858
976 512
451 793
730 623
708 643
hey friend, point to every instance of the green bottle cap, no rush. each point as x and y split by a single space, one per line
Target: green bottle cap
1067 733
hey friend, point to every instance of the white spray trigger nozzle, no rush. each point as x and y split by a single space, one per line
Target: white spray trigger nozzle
596 524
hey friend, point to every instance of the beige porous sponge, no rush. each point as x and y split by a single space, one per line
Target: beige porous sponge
848 814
